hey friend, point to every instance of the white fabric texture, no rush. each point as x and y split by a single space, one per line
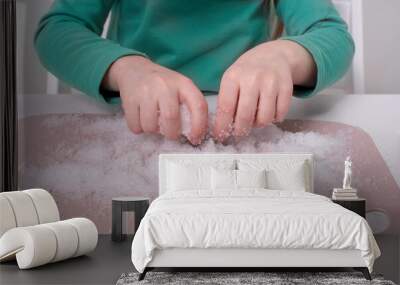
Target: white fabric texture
27 208
23 208
40 244
32 246
251 179
31 232
186 174
223 179
67 240
87 235
227 179
7 219
45 206
183 178
282 174
229 161
252 218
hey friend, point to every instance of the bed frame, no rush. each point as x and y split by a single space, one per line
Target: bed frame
246 259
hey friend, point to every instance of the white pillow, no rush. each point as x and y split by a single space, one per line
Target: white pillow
182 177
282 174
223 179
227 179
251 178
293 179
189 174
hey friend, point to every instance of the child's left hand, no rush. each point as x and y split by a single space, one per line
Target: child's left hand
256 90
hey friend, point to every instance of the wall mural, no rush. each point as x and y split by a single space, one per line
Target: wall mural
86 159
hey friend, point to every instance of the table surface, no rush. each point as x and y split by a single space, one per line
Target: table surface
349 200
130 199
110 259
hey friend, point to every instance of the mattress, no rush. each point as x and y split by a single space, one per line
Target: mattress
250 218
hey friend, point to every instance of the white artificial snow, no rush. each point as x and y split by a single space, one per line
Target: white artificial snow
91 158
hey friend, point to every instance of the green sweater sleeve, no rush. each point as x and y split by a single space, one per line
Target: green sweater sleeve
317 26
69 45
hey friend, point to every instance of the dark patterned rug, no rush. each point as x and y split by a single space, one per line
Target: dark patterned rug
244 278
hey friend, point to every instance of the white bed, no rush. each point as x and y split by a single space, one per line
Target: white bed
197 222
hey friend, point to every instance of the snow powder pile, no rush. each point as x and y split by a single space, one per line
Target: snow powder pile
88 159
186 124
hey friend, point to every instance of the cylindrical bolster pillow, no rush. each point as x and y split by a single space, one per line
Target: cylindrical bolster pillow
33 246
41 244
26 208
46 207
67 239
7 219
87 235
23 208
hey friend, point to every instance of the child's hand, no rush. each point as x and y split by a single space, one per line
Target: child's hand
151 96
257 89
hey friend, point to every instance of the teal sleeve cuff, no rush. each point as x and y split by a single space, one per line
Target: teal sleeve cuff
99 71
322 76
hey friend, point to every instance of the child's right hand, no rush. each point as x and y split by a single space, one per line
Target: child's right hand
151 96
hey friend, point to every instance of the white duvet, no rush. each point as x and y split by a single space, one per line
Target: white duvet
252 218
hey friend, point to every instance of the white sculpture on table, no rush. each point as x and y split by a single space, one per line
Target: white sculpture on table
347 173
346 192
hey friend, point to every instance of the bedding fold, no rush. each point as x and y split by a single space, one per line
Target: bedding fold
250 218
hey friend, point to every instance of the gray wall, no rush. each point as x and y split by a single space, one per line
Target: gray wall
382 46
381 36
29 68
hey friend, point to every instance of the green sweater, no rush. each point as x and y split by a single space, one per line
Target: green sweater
199 39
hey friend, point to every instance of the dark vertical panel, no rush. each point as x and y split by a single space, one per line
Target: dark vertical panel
8 99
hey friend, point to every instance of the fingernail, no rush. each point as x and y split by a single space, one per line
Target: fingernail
195 141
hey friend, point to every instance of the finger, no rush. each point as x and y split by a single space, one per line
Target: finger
169 120
149 115
284 99
246 109
191 96
226 108
267 105
132 117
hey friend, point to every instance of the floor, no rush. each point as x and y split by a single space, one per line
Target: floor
103 266
110 260
389 262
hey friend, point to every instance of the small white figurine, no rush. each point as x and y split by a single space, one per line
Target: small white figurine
347 173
